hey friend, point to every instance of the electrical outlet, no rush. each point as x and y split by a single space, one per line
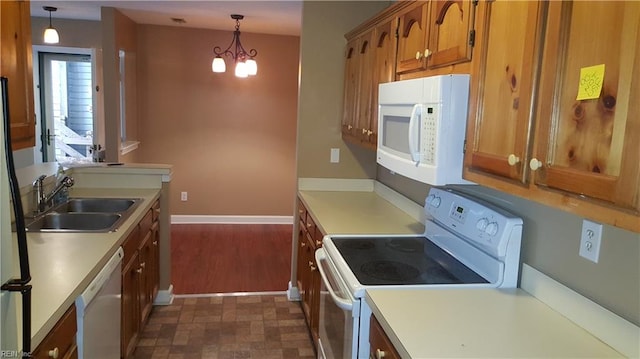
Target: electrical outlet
590 239
183 196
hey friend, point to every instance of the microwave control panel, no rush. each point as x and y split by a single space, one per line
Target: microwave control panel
429 131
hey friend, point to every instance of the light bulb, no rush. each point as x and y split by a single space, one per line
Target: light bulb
252 67
51 36
218 65
241 69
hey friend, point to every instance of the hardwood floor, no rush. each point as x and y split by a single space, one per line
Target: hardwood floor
229 258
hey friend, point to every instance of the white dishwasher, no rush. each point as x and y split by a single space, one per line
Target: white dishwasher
99 308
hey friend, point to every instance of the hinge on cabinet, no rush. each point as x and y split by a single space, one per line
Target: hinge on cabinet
475 2
472 38
464 147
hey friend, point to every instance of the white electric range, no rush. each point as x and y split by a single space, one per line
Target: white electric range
467 242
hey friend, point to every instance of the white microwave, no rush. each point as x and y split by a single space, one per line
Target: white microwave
421 128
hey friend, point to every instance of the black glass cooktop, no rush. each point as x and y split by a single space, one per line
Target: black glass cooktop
402 260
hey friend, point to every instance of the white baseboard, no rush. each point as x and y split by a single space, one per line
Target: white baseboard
201 219
612 329
164 297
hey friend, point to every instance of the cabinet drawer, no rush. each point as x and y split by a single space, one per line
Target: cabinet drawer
61 339
155 211
145 223
130 245
381 346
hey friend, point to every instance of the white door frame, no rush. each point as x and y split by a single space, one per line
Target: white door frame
98 98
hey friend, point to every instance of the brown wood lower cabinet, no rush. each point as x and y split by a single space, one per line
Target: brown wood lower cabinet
61 340
308 282
381 346
140 273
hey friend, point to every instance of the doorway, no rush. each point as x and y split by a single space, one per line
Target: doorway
68 105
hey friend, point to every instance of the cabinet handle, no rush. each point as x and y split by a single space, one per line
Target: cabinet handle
300 211
418 55
427 52
54 353
155 243
349 127
311 266
318 243
380 354
364 130
534 164
513 159
303 244
139 270
308 225
143 264
369 133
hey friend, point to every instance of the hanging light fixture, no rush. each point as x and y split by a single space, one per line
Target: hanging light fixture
246 65
50 34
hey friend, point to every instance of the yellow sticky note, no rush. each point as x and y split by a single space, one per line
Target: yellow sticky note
591 79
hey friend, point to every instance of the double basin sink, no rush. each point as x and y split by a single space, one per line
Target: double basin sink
100 215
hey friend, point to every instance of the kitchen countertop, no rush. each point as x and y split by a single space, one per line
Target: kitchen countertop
357 212
486 323
63 264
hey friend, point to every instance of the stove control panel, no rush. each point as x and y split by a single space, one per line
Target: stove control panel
479 222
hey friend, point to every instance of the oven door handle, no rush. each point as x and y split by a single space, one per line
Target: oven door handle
344 303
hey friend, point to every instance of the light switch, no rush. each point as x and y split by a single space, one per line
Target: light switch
335 155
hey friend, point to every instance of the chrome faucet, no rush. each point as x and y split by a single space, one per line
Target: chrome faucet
43 199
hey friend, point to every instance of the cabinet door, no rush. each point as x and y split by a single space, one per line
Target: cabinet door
590 145
130 304
451 32
16 65
144 278
501 92
366 83
381 346
350 105
384 68
413 37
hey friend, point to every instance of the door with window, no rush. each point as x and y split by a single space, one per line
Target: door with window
67 107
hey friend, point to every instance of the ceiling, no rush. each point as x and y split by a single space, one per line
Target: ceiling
261 16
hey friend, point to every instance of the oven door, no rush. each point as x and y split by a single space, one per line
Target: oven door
338 326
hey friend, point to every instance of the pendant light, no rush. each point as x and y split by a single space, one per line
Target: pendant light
244 60
50 34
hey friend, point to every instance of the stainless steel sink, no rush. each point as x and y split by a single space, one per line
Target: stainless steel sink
76 222
85 215
99 205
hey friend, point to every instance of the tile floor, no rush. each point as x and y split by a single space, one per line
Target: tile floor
226 327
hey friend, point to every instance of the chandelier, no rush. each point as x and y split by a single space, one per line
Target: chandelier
245 63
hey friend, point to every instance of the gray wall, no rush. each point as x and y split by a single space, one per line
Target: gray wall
550 244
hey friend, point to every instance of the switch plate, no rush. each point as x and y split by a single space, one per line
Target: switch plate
335 155
590 239
183 196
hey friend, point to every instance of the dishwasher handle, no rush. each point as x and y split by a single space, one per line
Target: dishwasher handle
99 281
344 303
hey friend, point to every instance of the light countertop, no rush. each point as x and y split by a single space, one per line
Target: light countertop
63 264
488 323
346 212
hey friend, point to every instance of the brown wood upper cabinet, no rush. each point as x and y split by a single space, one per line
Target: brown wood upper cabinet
16 66
369 61
433 34
530 135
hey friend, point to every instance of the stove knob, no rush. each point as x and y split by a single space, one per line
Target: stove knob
482 224
492 229
436 202
430 199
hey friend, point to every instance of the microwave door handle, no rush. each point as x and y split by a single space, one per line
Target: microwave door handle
414 143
